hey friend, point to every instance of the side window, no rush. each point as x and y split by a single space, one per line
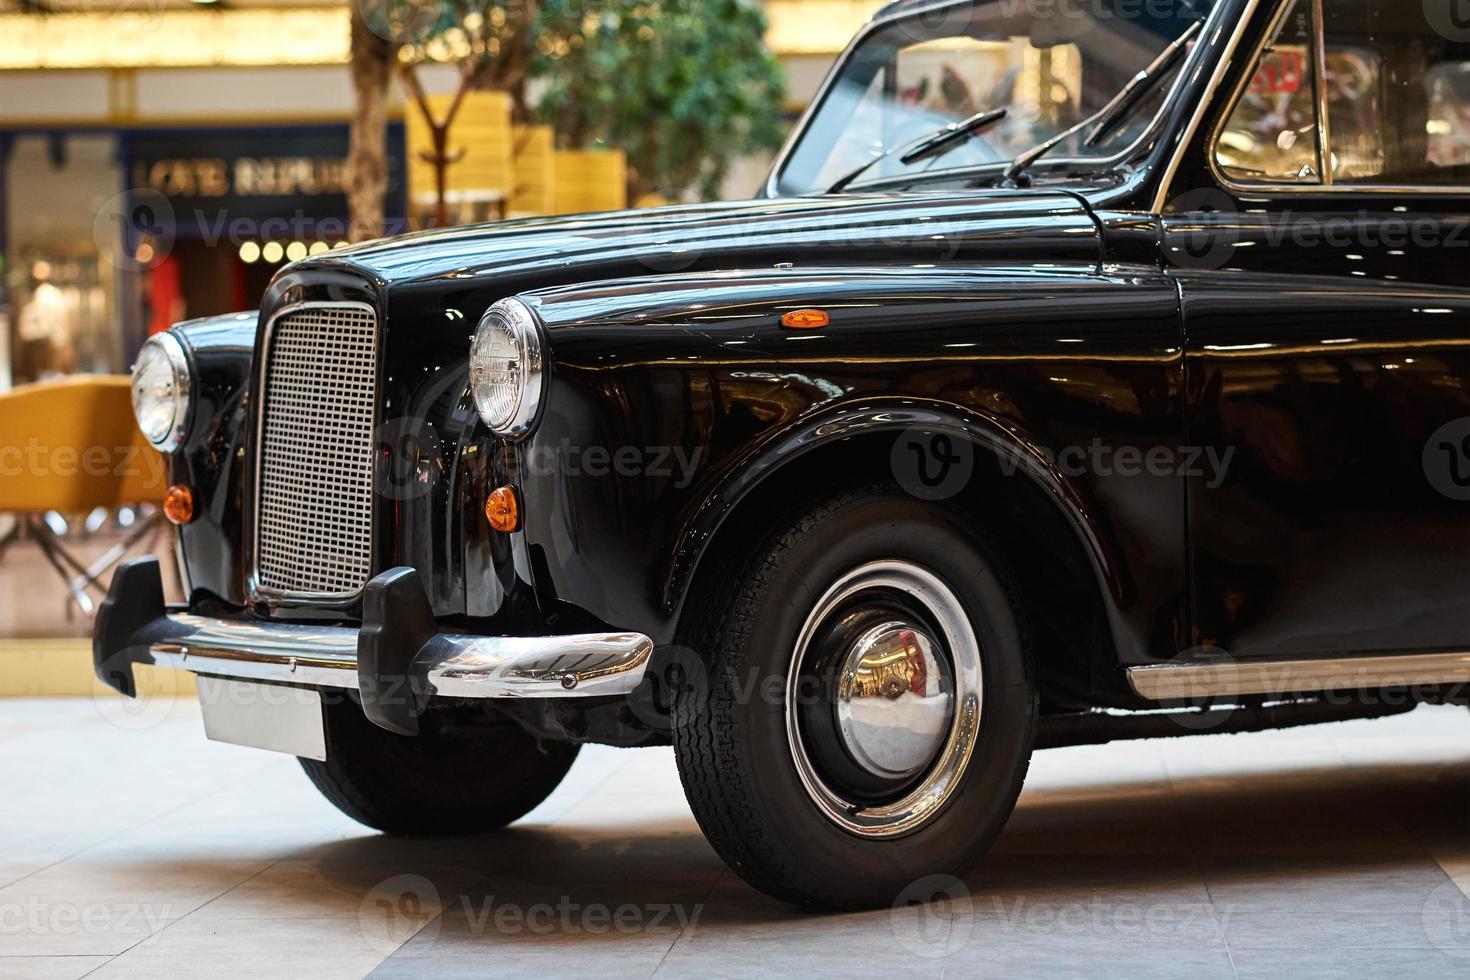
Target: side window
1271 135
1397 94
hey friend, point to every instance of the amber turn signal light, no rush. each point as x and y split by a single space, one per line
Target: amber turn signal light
806 319
502 510
178 504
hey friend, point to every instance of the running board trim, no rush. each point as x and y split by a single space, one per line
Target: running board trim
1173 682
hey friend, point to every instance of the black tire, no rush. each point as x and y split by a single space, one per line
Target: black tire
731 743
470 780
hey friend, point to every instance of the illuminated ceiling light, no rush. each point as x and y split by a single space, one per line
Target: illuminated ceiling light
249 252
317 248
296 250
144 255
273 252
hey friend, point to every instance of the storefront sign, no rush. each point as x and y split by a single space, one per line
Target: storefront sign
222 179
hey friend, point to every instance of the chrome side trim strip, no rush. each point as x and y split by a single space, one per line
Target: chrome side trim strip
1169 682
449 665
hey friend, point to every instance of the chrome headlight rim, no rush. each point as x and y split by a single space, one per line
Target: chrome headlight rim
522 325
183 402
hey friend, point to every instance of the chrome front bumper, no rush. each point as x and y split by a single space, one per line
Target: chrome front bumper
453 666
396 660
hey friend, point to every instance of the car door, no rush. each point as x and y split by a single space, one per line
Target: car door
1322 248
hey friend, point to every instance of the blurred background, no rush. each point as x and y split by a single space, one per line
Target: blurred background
162 159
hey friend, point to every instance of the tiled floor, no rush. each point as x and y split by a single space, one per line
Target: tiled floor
129 846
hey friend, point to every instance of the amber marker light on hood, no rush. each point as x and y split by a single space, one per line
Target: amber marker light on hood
502 510
806 319
178 504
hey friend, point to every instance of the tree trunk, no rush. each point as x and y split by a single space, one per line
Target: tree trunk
367 155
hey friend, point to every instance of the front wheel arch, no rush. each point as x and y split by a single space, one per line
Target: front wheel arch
1064 561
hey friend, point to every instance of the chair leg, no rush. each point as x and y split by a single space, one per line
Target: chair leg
56 554
91 576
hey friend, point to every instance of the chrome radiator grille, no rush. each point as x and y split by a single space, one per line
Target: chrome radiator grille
315 490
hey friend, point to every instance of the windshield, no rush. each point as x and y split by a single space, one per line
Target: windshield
1049 64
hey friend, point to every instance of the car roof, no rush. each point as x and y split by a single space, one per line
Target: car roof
898 5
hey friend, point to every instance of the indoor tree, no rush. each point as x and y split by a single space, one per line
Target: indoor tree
683 87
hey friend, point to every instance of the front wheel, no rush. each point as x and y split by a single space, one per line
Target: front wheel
462 775
870 710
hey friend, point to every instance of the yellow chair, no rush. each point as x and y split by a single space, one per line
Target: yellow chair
70 446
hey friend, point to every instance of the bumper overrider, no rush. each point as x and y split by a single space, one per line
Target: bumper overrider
396 660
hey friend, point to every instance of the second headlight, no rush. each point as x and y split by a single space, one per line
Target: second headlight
506 376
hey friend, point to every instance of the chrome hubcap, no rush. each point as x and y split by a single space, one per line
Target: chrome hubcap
894 703
883 698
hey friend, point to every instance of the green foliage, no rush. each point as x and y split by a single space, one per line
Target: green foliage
683 87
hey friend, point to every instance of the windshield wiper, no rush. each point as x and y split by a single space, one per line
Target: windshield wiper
1104 120
933 145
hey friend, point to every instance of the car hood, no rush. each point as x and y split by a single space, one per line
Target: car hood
906 228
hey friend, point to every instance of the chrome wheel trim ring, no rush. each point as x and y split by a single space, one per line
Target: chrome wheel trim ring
925 801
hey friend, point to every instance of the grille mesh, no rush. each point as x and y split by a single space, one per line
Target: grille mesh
316 464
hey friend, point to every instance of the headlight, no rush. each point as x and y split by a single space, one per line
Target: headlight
161 392
505 368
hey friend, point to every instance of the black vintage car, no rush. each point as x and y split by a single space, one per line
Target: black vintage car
1084 372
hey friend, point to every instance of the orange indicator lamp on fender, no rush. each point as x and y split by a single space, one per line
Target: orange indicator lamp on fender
806 319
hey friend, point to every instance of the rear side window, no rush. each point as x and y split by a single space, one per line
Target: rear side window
1396 88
